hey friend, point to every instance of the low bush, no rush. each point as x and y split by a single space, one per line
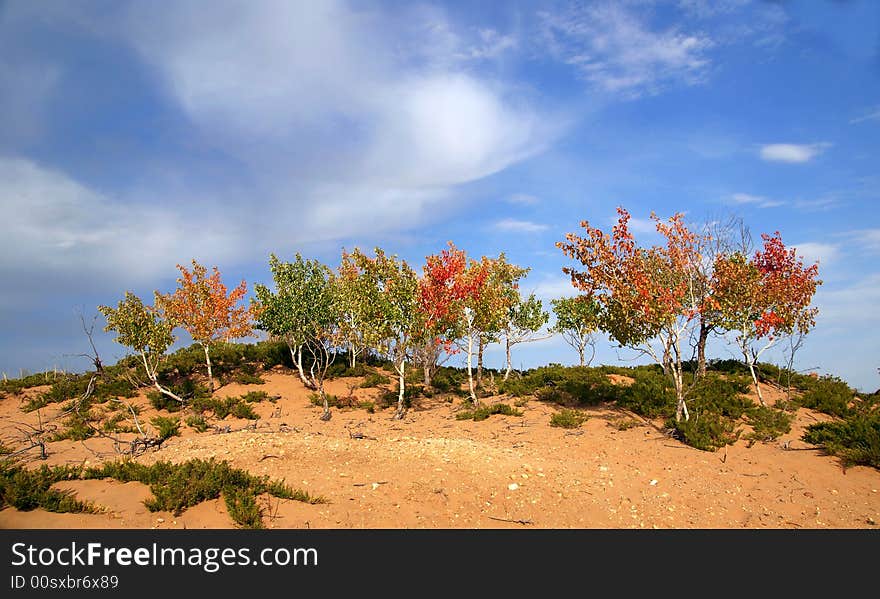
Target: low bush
828 394
197 423
568 419
560 384
167 427
767 423
26 489
483 412
855 440
651 394
374 379
176 487
707 431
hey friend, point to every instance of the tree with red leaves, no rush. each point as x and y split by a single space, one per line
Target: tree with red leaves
202 306
442 292
647 295
765 298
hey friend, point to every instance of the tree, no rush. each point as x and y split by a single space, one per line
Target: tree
722 237
203 308
577 320
304 311
442 292
352 319
647 295
474 279
390 310
525 318
141 328
764 298
491 307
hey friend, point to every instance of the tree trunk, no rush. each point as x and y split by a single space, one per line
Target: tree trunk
751 364
400 391
701 348
151 374
426 369
581 355
667 360
297 359
507 372
352 356
470 355
326 415
208 362
480 346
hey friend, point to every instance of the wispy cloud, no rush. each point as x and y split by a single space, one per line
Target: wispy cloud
814 251
518 226
760 201
874 115
792 153
523 199
615 50
867 238
491 44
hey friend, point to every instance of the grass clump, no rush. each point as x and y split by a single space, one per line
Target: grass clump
167 427
855 440
828 394
483 412
374 379
197 422
568 419
707 430
26 490
176 487
767 423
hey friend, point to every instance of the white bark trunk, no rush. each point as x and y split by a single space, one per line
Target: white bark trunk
297 360
400 390
470 355
210 372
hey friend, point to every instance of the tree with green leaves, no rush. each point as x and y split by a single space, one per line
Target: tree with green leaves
491 308
353 320
391 310
304 312
577 320
141 328
525 318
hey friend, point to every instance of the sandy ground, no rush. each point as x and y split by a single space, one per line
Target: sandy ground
432 471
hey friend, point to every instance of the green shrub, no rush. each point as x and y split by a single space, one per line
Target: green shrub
720 394
410 392
568 385
374 379
197 423
568 419
369 406
118 423
767 423
167 427
256 397
317 400
449 380
340 368
77 427
855 440
651 395
483 412
26 490
705 430
176 487
828 394
160 401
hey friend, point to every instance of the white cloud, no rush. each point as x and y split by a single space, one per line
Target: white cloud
812 252
518 226
615 50
867 238
57 226
523 199
792 153
551 287
491 44
642 225
760 201
874 115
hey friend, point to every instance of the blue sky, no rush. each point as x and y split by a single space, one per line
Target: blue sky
133 138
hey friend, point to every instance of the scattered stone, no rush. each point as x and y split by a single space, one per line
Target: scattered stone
513 486
653 482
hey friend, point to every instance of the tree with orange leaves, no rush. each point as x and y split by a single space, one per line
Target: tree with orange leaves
764 298
202 306
647 295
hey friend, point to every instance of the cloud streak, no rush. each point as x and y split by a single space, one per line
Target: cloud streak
792 153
